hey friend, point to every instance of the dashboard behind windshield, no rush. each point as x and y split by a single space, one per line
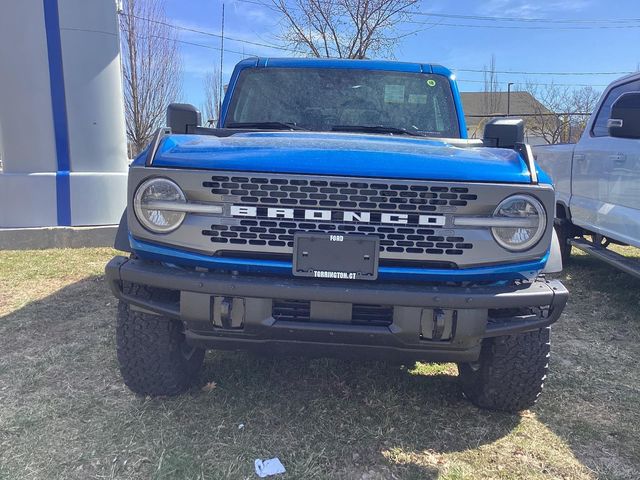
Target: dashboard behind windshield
321 99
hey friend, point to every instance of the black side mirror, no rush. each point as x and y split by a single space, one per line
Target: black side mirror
503 132
625 116
182 117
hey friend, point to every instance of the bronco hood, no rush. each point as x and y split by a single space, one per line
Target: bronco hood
344 154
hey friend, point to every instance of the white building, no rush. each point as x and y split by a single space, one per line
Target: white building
62 130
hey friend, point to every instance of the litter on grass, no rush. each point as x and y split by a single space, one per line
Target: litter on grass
266 468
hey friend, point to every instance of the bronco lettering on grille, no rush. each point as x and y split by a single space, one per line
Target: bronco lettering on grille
338 215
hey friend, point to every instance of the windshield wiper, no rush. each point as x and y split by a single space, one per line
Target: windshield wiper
265 125
376 129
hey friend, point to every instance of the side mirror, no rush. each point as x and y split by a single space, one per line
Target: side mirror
625 116
503 132
182 117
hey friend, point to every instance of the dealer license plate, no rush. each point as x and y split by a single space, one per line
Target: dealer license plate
339 257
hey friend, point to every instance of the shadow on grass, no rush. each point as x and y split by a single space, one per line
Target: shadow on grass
592 394
362 415
67 414
588 274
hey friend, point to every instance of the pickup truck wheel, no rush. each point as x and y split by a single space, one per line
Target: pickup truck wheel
152 352
510 372
563 231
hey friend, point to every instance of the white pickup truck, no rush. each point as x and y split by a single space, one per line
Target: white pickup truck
597 180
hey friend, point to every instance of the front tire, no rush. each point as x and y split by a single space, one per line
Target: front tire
152 351
510 373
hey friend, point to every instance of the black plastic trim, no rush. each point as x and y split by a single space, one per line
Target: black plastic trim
627 265
538 293
121 241
400 340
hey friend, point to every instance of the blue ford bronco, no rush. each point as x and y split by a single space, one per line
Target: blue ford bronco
339 209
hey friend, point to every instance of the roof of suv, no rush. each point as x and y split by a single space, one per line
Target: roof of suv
341 63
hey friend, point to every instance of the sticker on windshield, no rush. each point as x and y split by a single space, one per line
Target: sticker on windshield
394 94
431 82
417 99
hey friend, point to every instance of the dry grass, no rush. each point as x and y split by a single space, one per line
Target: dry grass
66 414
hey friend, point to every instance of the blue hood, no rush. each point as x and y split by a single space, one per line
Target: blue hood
345 154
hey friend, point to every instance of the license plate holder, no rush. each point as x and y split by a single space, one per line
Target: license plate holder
336 256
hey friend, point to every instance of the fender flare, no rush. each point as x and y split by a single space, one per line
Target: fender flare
554 264
122 235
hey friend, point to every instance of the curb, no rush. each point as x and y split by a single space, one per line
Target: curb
57 237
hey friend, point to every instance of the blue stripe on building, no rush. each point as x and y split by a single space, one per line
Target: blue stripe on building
59 108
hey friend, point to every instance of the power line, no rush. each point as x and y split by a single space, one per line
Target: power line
512 72
537 83
249 54
520 19
459 80
257 2
495 18
248 42
194 44
613 23
220 86
210 34
523 27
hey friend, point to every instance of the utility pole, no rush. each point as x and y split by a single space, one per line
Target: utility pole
509 98
221 62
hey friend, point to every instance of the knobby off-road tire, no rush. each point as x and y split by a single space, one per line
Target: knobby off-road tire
153 355
510 373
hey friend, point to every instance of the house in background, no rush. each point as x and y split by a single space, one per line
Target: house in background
480 107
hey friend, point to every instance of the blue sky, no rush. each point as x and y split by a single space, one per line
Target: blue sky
561 48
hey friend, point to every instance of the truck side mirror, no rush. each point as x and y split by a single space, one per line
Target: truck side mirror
625 116
503 132
181 117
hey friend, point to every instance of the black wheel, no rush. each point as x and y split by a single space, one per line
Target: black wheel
564 231
153 355
510 373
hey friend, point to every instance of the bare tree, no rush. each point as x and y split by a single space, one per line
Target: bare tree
211 106
491 99
151 68
559 114
545 105
583 103
343 28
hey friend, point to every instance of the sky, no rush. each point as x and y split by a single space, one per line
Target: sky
545 49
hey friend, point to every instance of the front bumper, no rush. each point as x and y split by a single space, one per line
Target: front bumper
466 315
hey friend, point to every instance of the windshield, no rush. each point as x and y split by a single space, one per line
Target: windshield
326 99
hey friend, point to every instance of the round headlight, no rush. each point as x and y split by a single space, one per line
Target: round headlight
148 205
529 221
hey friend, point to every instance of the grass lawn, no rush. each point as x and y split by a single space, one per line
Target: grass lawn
64 412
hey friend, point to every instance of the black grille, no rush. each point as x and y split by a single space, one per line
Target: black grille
393 238
372 315
291 310
361 314
362 195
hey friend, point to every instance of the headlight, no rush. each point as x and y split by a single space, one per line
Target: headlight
526 224
148 205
